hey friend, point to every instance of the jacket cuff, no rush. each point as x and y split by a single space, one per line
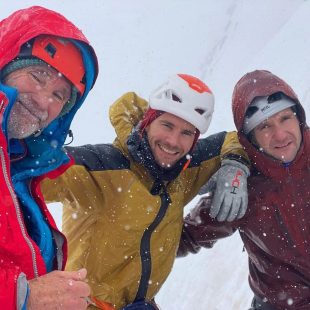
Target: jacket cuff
23 291
239 158
237 164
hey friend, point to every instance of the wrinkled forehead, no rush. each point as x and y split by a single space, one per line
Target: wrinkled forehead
42 71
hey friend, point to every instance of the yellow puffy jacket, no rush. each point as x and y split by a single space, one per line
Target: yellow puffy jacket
119 228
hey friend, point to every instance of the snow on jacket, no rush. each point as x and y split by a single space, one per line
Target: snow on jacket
275 229
23 214
122 218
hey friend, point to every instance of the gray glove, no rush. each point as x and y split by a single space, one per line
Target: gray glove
229 185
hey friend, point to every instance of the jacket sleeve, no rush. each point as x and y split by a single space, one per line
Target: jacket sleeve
202 231
77 191
11 297
232 149
126 112
54 190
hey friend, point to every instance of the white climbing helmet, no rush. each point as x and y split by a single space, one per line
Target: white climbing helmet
261 108
187 97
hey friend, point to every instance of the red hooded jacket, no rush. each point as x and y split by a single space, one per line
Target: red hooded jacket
275 229
20 256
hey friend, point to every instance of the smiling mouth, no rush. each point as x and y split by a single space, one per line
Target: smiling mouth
168 151
29 111
283 146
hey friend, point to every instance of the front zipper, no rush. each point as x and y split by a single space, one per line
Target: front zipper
18 214
145 249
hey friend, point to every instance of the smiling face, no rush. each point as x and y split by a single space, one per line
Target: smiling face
279 136
42 93
170 138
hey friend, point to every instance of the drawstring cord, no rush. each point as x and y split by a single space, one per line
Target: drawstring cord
70 135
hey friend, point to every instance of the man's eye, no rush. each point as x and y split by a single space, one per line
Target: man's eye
262 127
36 76
60 97
188 133
288 117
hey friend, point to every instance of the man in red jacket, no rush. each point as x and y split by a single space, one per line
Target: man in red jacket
272 127
47 68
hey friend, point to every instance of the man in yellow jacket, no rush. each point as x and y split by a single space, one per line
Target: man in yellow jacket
123 202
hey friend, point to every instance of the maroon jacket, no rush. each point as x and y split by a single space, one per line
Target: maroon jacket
276 227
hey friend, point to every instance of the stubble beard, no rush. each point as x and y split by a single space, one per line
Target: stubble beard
24 119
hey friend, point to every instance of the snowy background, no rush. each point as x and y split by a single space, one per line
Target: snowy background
140 43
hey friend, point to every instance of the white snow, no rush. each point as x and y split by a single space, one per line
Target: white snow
139 43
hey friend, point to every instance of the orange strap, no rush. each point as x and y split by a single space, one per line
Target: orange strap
186 164
101 304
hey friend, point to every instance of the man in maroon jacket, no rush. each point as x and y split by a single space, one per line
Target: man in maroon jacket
47 68
272 127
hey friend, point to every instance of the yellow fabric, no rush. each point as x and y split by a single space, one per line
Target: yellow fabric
106 213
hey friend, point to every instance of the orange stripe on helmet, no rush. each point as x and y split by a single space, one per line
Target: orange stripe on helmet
195 83
62 55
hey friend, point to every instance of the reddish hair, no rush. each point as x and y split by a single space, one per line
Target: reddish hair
149 116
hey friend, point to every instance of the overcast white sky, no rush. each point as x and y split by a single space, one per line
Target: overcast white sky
139 43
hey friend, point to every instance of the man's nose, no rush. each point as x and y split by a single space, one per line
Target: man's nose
42 100
280 132
173 138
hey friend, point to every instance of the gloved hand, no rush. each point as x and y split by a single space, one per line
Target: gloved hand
229 185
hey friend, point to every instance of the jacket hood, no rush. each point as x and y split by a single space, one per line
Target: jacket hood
25 24
257 84
263 83
16 30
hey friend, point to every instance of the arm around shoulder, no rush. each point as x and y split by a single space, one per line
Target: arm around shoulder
126 112
232 149
200 230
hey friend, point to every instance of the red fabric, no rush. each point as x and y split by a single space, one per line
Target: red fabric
265 84
197 134
275 229
255 84
26 24
149 116
9 269
275 232
18 253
